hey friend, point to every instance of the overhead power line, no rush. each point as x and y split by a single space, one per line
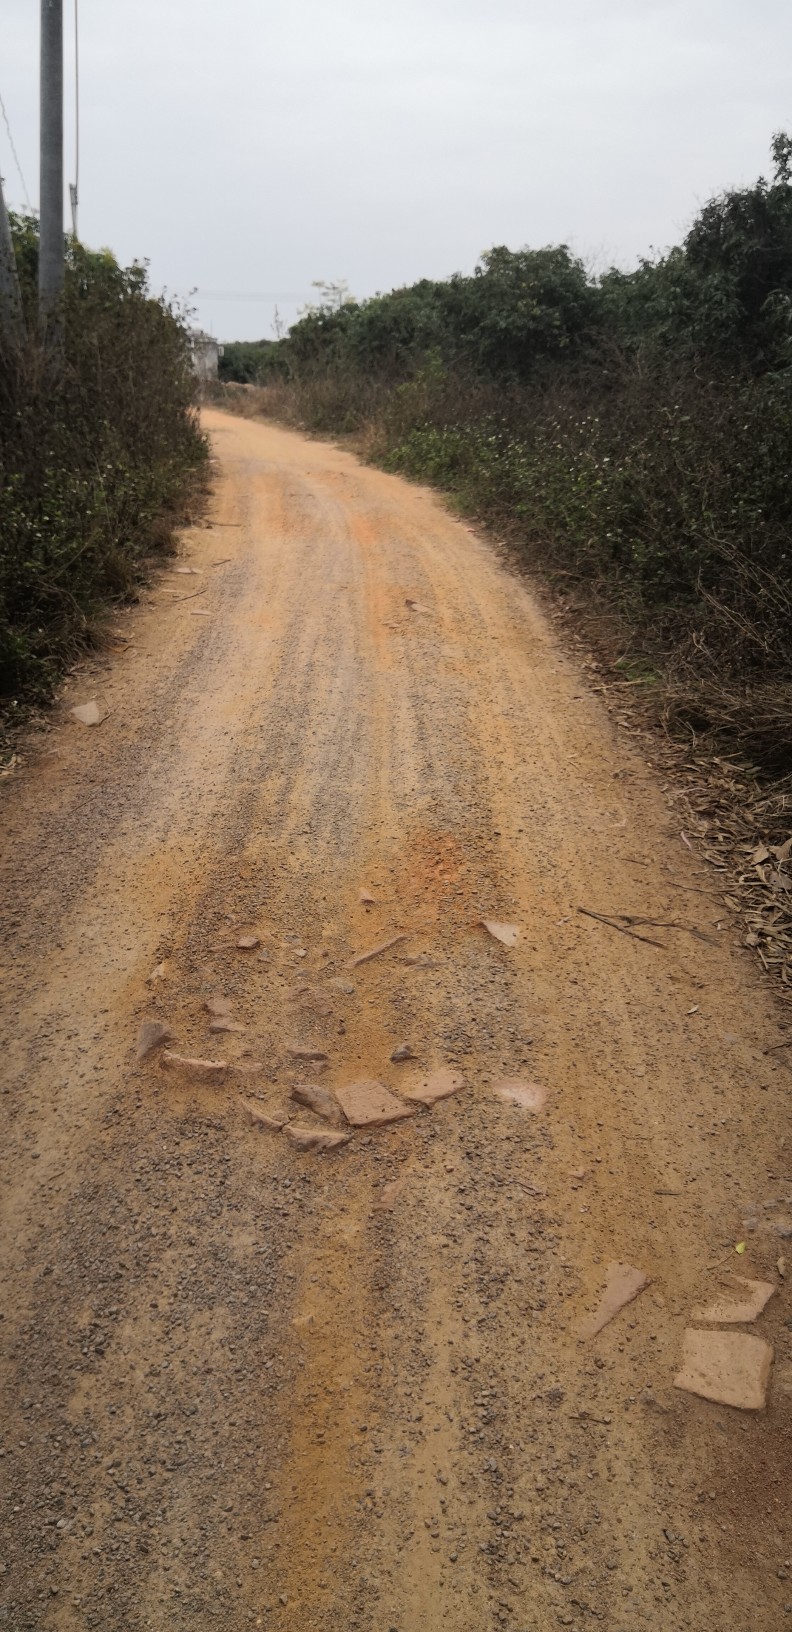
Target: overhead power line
15 154
239 294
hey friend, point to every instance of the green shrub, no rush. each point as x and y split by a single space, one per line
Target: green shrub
98 449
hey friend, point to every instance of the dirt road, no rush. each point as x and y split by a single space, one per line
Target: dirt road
249 1385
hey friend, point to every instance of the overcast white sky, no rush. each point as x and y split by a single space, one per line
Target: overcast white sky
247 147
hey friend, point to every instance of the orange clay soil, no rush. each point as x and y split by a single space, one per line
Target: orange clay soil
246 1384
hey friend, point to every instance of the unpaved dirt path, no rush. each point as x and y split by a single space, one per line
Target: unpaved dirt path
244 1385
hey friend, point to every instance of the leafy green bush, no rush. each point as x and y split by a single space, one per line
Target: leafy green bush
631 432
250 362
98 450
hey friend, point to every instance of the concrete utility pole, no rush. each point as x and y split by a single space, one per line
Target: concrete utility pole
12 323
51 257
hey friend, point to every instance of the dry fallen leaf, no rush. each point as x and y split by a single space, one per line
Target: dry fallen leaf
507 934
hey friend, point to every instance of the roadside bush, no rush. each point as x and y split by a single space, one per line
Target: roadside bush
629 434
100 449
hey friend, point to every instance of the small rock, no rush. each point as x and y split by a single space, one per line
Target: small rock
732 1368
308 1053
403 1053
151 1034
224 1025
248 943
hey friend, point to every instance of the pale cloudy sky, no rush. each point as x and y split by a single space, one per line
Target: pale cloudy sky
247 147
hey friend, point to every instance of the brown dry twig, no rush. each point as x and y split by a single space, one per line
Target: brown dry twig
175 598
669 923
612 924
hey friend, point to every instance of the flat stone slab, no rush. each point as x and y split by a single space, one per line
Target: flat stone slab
530 1096
623 1284
315 1138
196 1068
259 1117
151 1034
732 1368
317 1100
741 1303
368 1103
438 1085
507 934
88 713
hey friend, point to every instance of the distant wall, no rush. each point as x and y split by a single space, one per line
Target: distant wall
206 354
